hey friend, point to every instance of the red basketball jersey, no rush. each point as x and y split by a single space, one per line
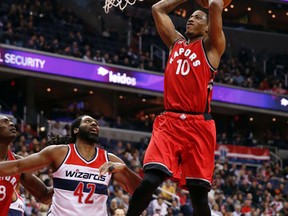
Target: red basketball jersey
7 186
188 78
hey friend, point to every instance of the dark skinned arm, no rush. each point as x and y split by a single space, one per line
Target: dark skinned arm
126 178
215 42
163 22
36 186
33 162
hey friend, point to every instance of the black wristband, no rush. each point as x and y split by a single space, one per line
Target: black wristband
111 168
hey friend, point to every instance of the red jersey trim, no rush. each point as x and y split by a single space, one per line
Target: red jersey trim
11 155
74 158
172 46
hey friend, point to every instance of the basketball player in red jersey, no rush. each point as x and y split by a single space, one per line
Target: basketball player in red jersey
184 136
81 170
8 183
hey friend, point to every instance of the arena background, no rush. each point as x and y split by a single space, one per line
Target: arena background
249 132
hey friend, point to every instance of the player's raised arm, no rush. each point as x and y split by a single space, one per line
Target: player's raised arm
163 22
215 42
126 178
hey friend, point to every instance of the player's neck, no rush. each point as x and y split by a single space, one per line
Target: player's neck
3 152
193 39
86 150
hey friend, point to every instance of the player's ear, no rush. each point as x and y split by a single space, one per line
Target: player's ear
76 130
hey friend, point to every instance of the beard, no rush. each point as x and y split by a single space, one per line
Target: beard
90 137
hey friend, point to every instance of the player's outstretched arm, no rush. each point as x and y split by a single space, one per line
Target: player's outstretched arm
215 42
163 22
126 178
31 163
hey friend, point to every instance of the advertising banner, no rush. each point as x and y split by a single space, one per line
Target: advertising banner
242 154
91 71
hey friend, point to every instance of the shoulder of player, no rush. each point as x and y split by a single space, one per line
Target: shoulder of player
179 40
112 157
55 149
215 45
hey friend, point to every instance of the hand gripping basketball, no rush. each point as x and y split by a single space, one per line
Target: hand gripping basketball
205 3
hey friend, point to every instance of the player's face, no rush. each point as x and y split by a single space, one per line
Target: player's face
7 129
89 129
197 24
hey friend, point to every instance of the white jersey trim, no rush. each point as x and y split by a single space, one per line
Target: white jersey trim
83 159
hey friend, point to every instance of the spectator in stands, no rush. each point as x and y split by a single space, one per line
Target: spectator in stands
119 196
237 211
169 186
175 208
125 199
98 57
88 56
284 210
215 210
116 60
264 85
113 206
67 130
229 205
159 206
118 123
223 139
57 129
119 212
107 59
119 148
54 46
23 152
20 141
126 62
246 208
28 133
34 146
102 122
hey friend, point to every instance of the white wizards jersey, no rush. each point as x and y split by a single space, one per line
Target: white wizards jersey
17 207
78 187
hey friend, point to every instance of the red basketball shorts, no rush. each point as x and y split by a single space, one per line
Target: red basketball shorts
182 145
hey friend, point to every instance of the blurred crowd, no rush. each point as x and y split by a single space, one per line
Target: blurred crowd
44 25
237 190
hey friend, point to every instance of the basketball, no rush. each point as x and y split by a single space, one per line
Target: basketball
205 3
